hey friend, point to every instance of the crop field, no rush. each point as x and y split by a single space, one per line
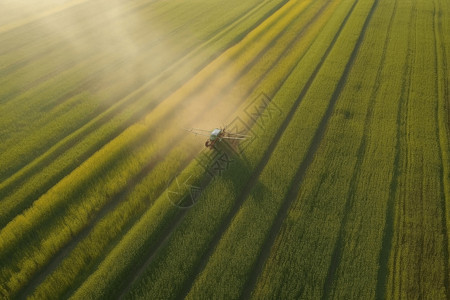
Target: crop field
341 188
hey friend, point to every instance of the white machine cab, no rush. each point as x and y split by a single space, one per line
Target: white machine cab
214 134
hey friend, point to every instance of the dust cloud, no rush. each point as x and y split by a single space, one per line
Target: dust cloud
121 46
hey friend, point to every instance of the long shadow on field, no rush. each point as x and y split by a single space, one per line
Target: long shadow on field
104 118
221 162
220 169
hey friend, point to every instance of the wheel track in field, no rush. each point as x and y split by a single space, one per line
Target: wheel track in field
165 237
121 194
63 252
339 245
214 36
438 38
414 246
402 143
404 275
309 157
74 139
388 231
142 92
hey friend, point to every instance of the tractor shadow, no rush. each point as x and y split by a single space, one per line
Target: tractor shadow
228 162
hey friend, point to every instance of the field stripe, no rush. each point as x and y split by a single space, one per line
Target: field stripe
172 67
388 231
72 140
443 133
226 86
170 113
238 202
355 175
53 57
420 260
244 217
159 245
115 201
336 256
109 231
293 192
257 172
114 65
397 257
30 31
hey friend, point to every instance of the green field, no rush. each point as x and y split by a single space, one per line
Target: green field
341 191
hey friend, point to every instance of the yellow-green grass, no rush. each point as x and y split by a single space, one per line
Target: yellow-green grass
16 223
185 67
441 29
109 275
103 188
103 86
342 195
350 198
257 213
420 243
84 257
76 147
187 253
285 65
192 234
167 106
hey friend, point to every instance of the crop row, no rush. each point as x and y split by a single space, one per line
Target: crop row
368 177
420 260
26 111
233 264
151 223
87 253
441 28
346 201
192 233
184 255
74 149
165 108
105 72
100 193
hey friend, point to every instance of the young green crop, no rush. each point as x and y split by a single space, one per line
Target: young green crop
343 194
442 53
420 260
95 285
192 233
81 260
365 116
101 186
258 211
116 71
6 234
184 254
165 108
65 155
